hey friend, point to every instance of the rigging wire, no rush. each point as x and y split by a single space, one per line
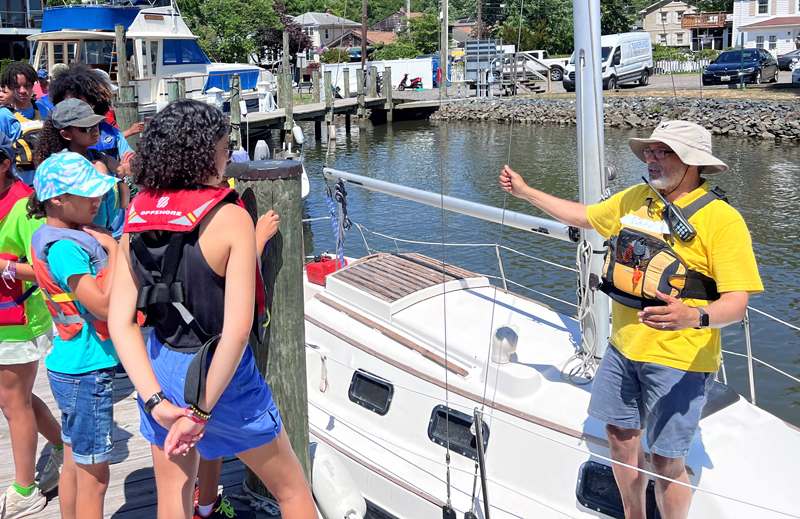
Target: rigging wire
666 43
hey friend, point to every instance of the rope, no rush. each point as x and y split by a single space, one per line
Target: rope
666 44
585 356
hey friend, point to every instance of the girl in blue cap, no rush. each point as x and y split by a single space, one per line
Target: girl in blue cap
70 260
25 338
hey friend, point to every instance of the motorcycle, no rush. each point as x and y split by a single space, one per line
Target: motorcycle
415 83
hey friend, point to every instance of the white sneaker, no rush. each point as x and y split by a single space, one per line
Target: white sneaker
14 506
52 471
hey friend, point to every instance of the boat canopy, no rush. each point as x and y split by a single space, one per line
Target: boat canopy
85 18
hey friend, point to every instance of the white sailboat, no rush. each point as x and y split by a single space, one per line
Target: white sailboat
159 47
412 365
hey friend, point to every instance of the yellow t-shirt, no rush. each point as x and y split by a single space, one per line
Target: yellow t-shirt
722 250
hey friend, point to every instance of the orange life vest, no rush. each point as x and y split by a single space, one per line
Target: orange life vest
12 293
69 320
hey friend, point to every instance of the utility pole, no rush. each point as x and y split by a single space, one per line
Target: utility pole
444 46
363 35
408 9
480 20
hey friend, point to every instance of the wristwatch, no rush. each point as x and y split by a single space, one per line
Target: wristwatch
703 319
154 401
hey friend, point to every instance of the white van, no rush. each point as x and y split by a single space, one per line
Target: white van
627 58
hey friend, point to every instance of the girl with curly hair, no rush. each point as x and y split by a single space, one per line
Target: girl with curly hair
182 213
73 125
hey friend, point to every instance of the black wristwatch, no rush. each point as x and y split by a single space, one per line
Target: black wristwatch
703 319
154 401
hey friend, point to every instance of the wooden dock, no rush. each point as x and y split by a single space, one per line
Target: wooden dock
132 489
310 112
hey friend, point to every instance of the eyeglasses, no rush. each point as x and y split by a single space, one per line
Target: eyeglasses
657 154
88 129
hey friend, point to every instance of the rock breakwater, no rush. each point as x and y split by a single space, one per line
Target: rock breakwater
771 120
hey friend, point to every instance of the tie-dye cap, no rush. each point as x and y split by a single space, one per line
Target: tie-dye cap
69 172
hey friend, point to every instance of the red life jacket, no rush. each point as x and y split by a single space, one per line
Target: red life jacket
180 211
69 320
12 293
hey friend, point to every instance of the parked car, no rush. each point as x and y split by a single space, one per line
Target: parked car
757 66
796 76
789 60
626 58
557 65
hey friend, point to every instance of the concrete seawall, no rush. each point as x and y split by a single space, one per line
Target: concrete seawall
738 117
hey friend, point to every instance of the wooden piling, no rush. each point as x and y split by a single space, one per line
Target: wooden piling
373 81
347 123
288 106
236 112
286 65
181 88
281 359
127 111
173 90
315 86
362 109
122 56
387 93
346 78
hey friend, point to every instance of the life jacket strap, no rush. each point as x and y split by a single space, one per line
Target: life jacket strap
19 300
713 194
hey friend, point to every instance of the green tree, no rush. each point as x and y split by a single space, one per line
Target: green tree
401 50
227 28
335 56
615 17
713 6
423 33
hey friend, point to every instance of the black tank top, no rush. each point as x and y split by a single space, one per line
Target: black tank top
204 293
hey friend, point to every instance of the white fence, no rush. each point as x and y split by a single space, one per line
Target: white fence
421 67
673 66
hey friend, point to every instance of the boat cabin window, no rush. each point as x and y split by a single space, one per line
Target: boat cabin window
446 421
97 52
371 392
65 52
183 52
153 56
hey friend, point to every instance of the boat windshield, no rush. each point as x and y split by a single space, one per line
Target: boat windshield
605 53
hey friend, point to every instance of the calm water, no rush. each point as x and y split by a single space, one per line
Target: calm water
466 159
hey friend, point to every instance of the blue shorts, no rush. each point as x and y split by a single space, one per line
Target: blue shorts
665 401
244 418
86 402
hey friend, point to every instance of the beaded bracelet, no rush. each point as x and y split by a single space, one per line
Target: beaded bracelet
199 412
9 273
188 413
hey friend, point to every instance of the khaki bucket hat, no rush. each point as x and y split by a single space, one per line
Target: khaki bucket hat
690 141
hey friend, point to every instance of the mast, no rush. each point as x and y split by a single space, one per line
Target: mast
363 35
591 161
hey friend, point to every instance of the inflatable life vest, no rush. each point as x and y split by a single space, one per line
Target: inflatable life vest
12 293
180 212
69 320
24 146
637 263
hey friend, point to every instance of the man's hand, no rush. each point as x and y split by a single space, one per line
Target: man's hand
133 130
511 181
126 158
266 228
673 317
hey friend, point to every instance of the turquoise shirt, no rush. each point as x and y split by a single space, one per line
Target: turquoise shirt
85 352
10 125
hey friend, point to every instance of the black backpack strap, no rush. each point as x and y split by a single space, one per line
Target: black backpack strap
714 194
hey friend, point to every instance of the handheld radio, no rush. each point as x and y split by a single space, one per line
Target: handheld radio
677 223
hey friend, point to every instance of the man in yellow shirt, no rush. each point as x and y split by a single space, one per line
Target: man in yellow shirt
660 365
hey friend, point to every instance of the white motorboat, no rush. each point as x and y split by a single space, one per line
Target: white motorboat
159 47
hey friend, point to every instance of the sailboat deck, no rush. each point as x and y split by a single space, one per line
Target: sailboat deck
391 277
132 488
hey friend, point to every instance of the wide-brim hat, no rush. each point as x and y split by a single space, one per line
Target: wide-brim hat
690 141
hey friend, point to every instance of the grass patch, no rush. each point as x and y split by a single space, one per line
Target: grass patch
762 94
303 99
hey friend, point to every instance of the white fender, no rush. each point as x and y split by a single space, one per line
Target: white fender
297 133
335 491
261 152
305 185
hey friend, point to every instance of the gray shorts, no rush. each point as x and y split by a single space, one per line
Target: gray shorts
665 401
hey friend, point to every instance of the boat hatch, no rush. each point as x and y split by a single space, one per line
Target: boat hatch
387 283
598 491
371 392
456 428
